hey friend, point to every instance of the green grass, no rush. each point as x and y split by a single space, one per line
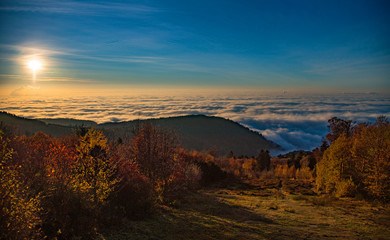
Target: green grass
258 212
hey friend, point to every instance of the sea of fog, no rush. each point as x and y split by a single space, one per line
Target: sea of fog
294 121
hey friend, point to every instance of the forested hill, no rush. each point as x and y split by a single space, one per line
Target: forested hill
69 122
25 126
195 132
201 132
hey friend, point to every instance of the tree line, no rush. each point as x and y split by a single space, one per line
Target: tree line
80 184
357 160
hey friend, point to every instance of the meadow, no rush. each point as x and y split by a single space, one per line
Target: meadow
261 210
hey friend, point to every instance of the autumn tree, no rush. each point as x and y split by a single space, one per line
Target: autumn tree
359 160
336 165
263 160
371 153
154 149
157 153
19 209
93 172
338 126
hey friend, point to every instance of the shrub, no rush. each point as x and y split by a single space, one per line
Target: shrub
284 171
211 173
135 197
345 188
66 214
304 173
192 175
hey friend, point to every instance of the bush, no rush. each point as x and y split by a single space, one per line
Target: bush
67 214
304 173
345 188
193 175
284 171
134 195
210 173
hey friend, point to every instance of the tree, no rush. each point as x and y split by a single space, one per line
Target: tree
19 208
263 160
358 160
337 127
371 152
155 149
335 165
93 171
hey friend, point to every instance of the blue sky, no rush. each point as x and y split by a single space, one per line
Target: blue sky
336 45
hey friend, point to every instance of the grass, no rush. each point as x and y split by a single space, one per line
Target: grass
259 210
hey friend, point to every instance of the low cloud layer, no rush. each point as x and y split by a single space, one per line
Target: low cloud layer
293 121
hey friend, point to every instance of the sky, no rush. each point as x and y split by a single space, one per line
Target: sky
281 68
277 45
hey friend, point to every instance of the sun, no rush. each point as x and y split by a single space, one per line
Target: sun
34 65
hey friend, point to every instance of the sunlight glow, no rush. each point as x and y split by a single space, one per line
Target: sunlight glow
34 65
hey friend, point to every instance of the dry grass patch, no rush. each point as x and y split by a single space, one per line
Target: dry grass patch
256 212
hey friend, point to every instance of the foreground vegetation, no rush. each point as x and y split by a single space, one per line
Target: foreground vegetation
81 183
83 186
260 210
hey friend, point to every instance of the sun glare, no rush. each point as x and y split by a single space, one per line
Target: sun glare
34 65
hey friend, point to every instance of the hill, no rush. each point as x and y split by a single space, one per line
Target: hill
199 132
69 122
25 126
195 132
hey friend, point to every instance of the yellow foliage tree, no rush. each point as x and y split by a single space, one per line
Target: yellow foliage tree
358 161
334 165
19 209
93 172
371 153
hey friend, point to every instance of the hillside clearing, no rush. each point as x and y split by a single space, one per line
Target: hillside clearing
260 211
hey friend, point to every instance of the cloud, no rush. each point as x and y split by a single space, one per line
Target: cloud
27 52
114 119
293 139
79 8
64 79
293 121
25 91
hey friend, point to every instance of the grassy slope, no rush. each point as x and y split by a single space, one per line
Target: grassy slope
257 211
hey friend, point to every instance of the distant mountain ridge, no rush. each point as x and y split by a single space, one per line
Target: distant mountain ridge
26 126
68 122
195 132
